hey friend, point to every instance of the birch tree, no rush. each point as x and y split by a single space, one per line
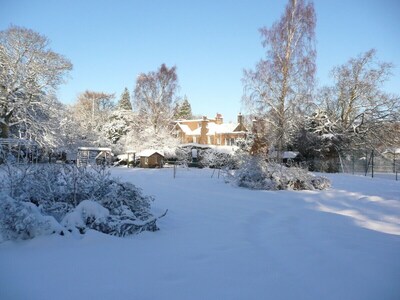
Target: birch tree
30 72
281 83
155 96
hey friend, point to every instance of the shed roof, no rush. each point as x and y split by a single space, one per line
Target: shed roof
149 152
95 149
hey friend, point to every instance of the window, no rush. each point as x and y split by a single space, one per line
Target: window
146 161
230 141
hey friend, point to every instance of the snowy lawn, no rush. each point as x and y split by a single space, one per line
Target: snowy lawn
222 242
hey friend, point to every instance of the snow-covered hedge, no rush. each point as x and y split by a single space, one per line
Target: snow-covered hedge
74 198
256 173
215 158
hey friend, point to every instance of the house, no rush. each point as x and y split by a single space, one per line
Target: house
210 131
151 159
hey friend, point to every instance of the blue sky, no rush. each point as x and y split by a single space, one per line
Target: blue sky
210 42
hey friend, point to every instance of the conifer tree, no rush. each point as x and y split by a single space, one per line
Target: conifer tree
184 110
125 101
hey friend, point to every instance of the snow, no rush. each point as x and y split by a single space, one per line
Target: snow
214 128
85 209
94 149
149 152
185 128
222 242
285 154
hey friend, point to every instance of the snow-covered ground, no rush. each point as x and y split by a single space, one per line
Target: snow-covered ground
222 242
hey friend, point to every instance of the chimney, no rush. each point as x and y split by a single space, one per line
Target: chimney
219 119
203 131
255 125
240 119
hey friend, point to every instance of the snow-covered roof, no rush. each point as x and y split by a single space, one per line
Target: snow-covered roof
149 152
214 128
189 121
221 128
95 149
219 148
392 151
185 128
196 145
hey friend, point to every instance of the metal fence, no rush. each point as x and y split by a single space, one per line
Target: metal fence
371 163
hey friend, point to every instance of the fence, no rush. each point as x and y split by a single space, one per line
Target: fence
371 163
18 151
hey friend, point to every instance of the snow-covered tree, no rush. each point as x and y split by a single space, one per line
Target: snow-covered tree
147 139
92 109
125 101
119 123
90 113
361 112
155 97
30 72
281 84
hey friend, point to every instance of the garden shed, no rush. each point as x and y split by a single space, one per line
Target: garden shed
151 159
94 156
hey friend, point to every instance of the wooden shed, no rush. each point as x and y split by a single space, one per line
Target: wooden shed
94 156
151 159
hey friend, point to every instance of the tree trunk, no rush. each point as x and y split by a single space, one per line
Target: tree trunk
5 130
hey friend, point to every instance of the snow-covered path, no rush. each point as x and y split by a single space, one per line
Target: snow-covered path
222 242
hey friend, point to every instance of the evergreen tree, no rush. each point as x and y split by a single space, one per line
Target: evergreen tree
184 110
125 101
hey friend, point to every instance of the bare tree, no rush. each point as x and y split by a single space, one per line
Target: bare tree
92 109
30 72
155 96
356 104
280 84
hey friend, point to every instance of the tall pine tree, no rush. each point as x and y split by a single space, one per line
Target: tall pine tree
125 101
184 110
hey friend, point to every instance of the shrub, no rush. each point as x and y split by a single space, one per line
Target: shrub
22 220
256 173
58 191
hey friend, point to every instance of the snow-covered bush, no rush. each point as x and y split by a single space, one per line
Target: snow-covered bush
214 158
256 173
90 214
59 190
21 220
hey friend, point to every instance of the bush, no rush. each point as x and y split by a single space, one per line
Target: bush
214 158
58 191
256 173
22 220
